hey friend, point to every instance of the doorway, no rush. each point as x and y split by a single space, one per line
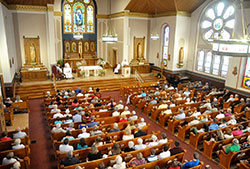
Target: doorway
114 58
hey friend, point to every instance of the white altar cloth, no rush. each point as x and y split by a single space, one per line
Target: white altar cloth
88 68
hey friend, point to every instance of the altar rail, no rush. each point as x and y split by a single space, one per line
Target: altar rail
139 77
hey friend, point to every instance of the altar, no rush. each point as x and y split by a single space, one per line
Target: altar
87 70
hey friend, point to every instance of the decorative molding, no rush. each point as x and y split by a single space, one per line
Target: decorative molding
57 13
143 15
4 3
27 8
50 8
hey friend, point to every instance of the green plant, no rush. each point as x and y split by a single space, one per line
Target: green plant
60 62
102 72
82 73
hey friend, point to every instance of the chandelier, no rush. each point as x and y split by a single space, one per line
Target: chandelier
110 36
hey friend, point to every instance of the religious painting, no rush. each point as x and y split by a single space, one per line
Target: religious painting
139 48
79 24
32 51
67 47
67 19
74 47
92 46
90 19
86 47
80 48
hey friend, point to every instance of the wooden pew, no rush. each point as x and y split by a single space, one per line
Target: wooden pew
21 106
25 164
7 145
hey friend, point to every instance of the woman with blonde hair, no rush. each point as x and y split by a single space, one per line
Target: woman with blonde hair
118 163
128 135
94 153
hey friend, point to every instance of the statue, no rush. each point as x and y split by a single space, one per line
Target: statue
181 58
139 50
80 48
32 53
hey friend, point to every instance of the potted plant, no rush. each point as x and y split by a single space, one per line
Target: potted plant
60 62
82 73
102 72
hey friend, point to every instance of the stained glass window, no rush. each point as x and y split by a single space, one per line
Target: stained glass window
166 32
200 62
224 67
90 19
218 22
78 16
246 78
216 64
208 62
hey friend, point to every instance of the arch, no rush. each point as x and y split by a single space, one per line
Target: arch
165 40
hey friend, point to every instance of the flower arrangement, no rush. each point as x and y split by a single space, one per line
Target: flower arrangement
101 62
82 73
102 72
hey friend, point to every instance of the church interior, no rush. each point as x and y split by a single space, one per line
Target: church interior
138 84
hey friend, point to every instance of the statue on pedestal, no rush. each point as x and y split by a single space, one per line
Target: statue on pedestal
33 54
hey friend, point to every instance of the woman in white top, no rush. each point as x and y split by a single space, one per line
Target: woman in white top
228 133
17 144
118 163
154 141
128 135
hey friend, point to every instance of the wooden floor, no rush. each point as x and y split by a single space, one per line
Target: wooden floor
109 82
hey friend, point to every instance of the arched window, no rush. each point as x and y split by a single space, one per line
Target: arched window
217 22
166 32
78 16
200 60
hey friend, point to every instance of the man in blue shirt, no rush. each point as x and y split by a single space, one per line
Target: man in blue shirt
192 163
143 94
79 90
92 123
77 117
214 125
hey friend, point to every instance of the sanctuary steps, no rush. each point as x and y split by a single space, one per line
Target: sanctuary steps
31 91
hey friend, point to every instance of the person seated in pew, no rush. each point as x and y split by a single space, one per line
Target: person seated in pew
115 113
247 129
138 160
154 101
77 117
233 147
223 123
142 123
54 109
58 129
232 121
67 120
133 117
18 99
152 156
176 149
78 90
79 108
154 141
126 111
70 159
119 163
231 98
166 153
123 118
75 102
157 92
196 112
120 105
68 136
115 150
193 162
103 109
16 165
181 115
175 165
214 125
246 144
237 131
98 141
128 135
140 132
9 158
228 133
131 125
65 147
17 144
58 114
67 113
95 131
108 140
207 104
8 102
94 154
130 147
140 144
5 136
115 128
84 133
94 100
98 103
164 139
205 128
164 105
228 113
58 120
71 127
82 144
19 133
92 122
193 122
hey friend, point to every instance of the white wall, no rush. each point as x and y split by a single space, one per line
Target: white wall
118 5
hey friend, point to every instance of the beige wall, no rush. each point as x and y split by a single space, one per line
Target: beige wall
31 25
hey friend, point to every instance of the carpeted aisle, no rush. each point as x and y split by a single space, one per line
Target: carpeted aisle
41 153
155 127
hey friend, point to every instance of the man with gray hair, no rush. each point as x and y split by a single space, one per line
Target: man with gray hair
181 115
115 128
133 117
19 133
233 147
140 132
70 159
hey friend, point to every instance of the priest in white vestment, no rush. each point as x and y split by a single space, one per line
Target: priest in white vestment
125 63
67 71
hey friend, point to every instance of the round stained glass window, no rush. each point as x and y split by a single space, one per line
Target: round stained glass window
218 24
218 21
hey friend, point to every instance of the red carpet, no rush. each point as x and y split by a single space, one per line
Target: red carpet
42 154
